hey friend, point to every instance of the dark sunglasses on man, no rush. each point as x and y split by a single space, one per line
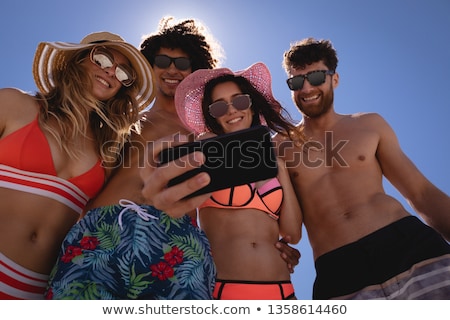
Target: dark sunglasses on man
163 62
315 78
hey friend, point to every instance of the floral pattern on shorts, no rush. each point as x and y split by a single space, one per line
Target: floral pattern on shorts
162 258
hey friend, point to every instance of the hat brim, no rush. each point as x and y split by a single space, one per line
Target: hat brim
50 57
189 93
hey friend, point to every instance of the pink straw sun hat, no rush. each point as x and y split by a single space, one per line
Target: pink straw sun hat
189 93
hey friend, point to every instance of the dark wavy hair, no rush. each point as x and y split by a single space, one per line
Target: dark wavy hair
309 51
187 35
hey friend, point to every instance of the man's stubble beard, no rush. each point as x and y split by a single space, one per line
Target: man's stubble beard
323 108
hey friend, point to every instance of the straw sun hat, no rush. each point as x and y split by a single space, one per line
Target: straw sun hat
50 57
189 94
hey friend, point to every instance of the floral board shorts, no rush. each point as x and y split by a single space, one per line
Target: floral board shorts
131 251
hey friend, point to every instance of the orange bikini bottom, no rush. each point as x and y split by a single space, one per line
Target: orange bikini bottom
253 290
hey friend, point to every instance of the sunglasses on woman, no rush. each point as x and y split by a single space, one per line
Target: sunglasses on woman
240 102
315 78
163 62
103 58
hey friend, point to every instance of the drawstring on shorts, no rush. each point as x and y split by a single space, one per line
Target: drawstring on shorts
130 205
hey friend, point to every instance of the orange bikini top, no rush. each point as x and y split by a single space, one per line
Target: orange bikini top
267 198
26 164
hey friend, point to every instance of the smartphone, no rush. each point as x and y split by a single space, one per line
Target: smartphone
232 159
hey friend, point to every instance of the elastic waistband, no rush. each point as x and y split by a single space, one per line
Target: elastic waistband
398 234
376 257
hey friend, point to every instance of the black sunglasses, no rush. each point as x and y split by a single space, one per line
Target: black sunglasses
315 78
239 102
182 63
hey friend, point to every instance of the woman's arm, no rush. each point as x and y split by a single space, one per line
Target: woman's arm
291 217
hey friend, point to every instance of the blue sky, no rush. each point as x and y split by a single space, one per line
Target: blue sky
394 58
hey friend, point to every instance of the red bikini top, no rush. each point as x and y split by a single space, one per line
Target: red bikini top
26 164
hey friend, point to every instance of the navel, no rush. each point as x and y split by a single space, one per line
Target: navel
33 237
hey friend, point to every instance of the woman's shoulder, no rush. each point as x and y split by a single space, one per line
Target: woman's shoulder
17 104
14 92
14 96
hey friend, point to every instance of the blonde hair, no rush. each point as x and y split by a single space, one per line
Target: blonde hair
74 109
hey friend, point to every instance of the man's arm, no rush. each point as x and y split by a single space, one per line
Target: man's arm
430 202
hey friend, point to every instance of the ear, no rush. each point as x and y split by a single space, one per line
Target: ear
335 80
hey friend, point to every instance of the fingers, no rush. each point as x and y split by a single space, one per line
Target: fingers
154 148
289 254
171 200
155 180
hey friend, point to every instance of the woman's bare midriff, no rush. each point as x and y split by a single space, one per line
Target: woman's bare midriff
243 244
33 228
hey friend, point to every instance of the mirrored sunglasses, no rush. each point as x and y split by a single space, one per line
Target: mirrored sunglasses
219 108
315 78
163 62
103 58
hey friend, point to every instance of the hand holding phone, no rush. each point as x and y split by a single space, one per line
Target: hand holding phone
232 159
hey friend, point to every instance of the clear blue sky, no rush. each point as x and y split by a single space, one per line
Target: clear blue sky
394 58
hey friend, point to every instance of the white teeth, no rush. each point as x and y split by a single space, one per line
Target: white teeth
103 81
171 81
235 120
311 98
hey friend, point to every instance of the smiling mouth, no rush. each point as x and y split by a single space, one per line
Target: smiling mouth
234 120
312 98
103 81
172 81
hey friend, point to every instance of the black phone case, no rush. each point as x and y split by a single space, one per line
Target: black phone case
232 159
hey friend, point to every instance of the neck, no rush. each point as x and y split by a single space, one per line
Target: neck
164 104
322 123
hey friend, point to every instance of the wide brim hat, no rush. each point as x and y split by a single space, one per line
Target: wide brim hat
50 57
189 93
